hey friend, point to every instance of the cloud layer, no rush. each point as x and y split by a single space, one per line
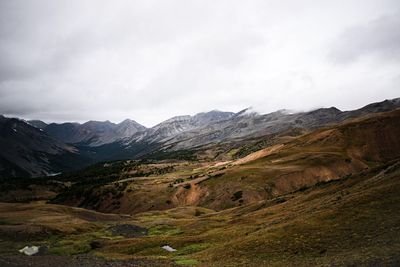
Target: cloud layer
150 60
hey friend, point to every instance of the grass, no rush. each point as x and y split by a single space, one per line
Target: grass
70 247
193 248
329 223
78 243
165 230
186 262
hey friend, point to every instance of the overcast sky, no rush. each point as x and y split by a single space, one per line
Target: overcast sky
151 60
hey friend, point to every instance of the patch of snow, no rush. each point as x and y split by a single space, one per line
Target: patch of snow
15 130
168 248
53 174
29 250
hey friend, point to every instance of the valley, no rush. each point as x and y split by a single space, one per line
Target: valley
324 197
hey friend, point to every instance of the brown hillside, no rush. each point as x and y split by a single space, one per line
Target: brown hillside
320 156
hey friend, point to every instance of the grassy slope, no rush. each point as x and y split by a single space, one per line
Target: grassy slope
344 222
351 221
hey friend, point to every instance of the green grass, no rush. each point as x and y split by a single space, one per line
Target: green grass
193 248
186 262
70 248
78 245
164 230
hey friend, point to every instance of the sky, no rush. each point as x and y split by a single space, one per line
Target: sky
78 60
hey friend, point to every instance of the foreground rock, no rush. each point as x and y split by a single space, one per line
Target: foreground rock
30 251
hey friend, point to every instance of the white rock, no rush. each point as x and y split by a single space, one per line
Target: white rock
29 250
168 248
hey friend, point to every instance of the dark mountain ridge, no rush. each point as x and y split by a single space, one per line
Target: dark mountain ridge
29 151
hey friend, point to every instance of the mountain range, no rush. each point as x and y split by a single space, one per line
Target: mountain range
34 148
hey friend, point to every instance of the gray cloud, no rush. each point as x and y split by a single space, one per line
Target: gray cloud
380 38
150 60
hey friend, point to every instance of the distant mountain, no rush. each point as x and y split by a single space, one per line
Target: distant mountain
67 132
94 133
28 151
386 105
212 117
247 124
177 125
128 127
37 123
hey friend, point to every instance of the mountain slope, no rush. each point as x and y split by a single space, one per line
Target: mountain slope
29 151
181 124
247 124
38 124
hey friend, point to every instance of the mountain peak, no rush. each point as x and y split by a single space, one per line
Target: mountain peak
128 127
98 123
250 111
130 122
126 121
177 119
331 110
212 116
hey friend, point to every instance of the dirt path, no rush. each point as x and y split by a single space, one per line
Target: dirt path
258 154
